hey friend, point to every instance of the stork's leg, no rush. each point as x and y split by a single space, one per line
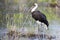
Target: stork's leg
40 31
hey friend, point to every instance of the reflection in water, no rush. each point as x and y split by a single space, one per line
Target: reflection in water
54 30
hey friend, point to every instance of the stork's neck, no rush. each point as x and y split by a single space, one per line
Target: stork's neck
33 9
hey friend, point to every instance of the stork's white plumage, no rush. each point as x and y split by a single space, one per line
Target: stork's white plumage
33 9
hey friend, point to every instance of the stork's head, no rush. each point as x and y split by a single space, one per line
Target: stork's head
35 4
34 7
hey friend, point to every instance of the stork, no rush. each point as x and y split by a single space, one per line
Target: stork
39 16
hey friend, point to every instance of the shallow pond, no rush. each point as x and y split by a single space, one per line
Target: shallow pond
54 30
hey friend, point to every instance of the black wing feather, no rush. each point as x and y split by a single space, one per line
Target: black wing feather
37 15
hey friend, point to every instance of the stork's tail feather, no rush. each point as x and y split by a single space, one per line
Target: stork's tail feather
46 22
